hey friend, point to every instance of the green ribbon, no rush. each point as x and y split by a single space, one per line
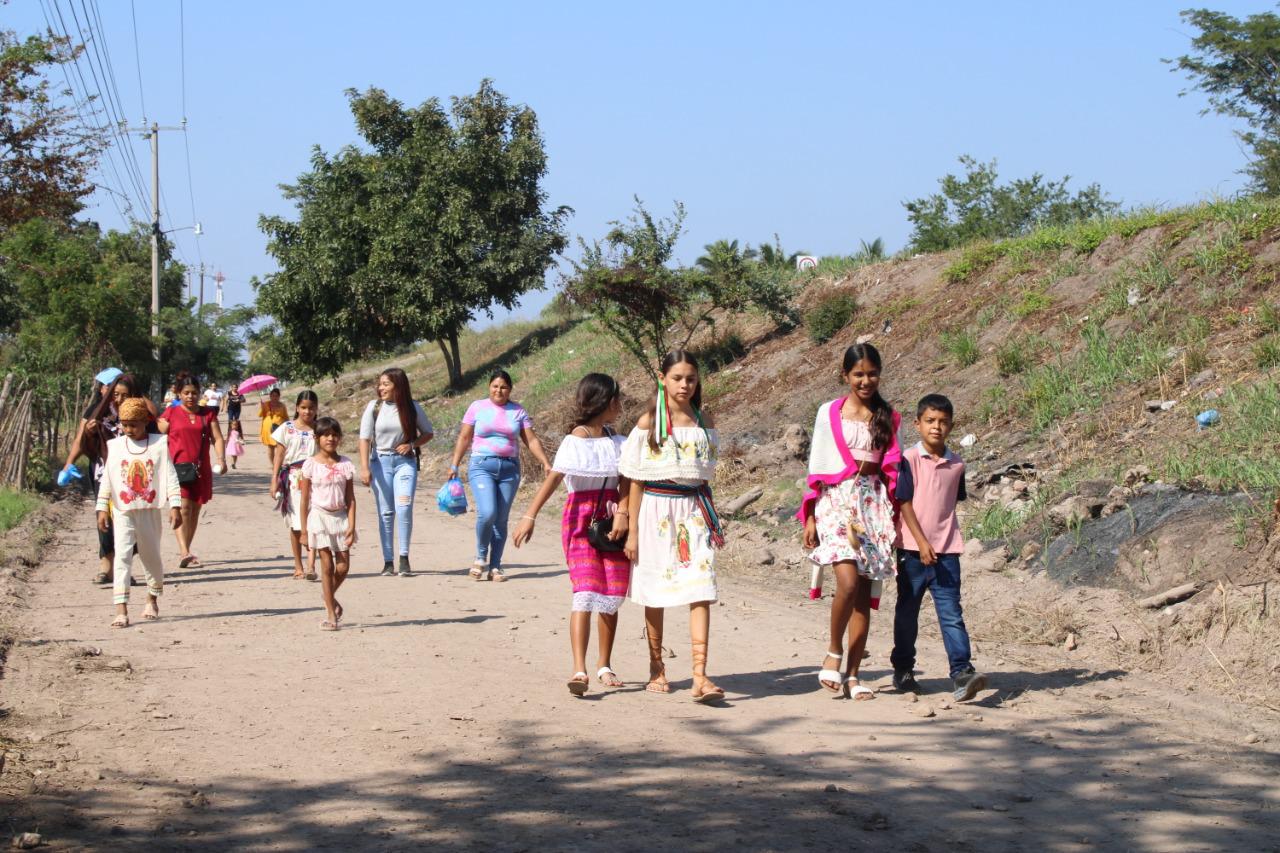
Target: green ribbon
663 425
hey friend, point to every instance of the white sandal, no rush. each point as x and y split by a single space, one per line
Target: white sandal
578 684
857 690
600 673
825 675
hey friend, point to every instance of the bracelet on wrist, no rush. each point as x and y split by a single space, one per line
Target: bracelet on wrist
528 518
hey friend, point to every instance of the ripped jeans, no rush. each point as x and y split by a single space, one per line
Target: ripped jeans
394 479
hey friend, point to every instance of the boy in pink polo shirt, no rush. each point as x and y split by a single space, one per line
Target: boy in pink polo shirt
930 482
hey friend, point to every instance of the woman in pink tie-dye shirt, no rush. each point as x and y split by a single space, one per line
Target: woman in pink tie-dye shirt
494 428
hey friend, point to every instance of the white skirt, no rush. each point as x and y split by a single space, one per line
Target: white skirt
327 529
676 562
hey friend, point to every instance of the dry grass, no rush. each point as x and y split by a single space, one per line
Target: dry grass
1039 623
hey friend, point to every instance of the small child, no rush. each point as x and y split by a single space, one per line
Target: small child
235 443
328 503
139 480
930 482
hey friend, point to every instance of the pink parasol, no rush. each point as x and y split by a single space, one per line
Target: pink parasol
256 383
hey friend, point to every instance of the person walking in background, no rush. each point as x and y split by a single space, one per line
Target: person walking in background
328 497
235 441
100 424
670 458
847 512
235 401
392 430
492 429
138 483
193 432
295 443
213 397
930 482
587 462
273 413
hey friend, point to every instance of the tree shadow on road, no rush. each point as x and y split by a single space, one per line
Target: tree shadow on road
710 783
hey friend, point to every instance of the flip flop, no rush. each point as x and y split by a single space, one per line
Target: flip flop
195 562
149 616
311 576
603 671
186 561
102 579
326 625
121 621
578 684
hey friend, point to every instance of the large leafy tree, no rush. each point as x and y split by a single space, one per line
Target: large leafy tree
46 151
976 206
442 217
82 298
1236 62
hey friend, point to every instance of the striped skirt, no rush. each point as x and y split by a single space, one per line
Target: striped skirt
600 578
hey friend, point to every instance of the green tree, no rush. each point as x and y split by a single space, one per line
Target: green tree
872 252
773 256
628 284
441 219
1236 62
977 207
82 297
46 152
210 345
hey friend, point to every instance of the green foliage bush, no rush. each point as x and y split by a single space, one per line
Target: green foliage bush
1266 352
15 506
832 313
961 345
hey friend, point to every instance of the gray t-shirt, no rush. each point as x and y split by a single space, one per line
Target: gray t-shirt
386 434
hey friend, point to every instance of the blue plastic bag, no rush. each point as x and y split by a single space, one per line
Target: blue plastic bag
452 497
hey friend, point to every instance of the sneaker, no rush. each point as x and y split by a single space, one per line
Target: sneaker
904 681
405 571
388 569
967 685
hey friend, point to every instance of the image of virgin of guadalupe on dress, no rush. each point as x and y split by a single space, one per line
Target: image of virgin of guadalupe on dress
677 528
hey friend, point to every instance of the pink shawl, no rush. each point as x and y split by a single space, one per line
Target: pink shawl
888 463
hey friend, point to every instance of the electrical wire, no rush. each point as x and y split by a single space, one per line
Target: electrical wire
137 59
186 145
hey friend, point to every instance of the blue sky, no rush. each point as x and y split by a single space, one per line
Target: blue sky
811 120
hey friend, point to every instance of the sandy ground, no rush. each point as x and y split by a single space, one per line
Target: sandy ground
440 717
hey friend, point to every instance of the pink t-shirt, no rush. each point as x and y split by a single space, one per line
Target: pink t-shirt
329 482
497 428
933 486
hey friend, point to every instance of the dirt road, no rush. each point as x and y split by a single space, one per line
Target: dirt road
439 716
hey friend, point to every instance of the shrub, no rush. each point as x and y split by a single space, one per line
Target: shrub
1013 357
723 350
1268 317
1032 299
832 313
14 506
961 345
1266 352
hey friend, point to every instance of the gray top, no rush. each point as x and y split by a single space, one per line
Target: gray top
386 434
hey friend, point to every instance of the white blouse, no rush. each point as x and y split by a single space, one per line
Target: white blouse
688 454
588 462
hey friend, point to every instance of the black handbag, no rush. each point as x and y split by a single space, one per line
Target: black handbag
188 472
600 528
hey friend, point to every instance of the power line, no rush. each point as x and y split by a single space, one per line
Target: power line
86 99
103 96
137 59
186 145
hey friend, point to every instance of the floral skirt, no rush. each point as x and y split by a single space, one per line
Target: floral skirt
676 563
855 525
600 578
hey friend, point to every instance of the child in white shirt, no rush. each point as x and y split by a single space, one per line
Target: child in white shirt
139 481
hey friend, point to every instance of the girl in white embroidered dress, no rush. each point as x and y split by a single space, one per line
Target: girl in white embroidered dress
670 457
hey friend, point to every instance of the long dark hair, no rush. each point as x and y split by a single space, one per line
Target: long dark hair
403 399
881 411
309 396
94 444
670 360
596 392
504 376
183 379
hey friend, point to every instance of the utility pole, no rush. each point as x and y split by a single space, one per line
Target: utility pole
200 304
153 133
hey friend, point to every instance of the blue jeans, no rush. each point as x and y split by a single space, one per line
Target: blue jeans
494 480
394 478
942 580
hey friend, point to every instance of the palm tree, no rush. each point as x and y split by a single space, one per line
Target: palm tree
871 252
774 256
